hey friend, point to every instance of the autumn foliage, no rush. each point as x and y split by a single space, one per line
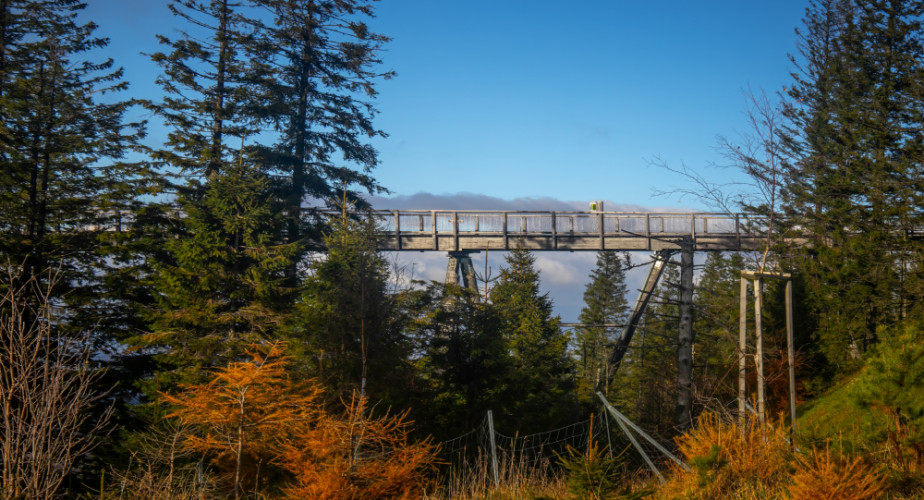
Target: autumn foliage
825 474
760 463
724 461
252 420
356 457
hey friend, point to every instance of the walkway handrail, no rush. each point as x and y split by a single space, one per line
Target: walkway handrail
472 230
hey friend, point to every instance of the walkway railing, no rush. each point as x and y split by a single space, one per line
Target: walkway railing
469 230
474 230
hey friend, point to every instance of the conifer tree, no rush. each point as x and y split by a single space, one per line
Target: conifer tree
267 434
219 287
346 316
231 75
217 284
321 63
890 384
240 413
542 371
66 181
605 303
197 279
61 148
205 77
466 367
854 179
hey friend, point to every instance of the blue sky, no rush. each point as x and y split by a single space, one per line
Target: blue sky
532 99
530 104
516 98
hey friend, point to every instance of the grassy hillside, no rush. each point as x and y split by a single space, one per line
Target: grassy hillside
835 419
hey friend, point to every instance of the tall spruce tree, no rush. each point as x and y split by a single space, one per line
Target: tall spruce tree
232 75
216 286
321 63
206 71
542 372
855 177
347 322
219 286
66 180
61 147
465 367
605 304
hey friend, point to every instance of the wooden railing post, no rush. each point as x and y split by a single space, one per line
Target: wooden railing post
455 231
554 233
397 228
436 240
602 231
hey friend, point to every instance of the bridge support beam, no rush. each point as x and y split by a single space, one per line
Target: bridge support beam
460 270
685 339
661 257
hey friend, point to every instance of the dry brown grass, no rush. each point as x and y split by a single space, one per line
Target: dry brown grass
519 478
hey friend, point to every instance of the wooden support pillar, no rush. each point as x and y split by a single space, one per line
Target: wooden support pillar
684 417
757 278
759 350
742 355
460 271
792 369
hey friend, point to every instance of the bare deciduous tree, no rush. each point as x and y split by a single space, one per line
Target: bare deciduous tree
163 468
46 394
758 154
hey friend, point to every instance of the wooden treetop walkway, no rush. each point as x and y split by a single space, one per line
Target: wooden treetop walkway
474 230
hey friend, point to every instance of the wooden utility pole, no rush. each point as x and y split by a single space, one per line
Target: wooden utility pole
685 339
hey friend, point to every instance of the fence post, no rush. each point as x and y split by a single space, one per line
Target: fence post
493 448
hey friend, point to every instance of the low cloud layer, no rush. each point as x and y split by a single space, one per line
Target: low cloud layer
473 201
563 275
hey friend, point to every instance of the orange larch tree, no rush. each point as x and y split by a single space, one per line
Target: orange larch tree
251 417
242 411
358 457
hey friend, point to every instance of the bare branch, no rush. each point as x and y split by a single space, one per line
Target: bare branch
47 390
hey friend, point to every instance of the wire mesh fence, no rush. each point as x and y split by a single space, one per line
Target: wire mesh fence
483 457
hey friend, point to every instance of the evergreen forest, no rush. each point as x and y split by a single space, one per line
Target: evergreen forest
211 317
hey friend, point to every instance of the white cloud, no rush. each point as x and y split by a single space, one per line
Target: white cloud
473 201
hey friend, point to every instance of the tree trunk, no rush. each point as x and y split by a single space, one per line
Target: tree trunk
685 340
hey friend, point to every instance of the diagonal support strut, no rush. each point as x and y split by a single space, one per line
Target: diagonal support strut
661 257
